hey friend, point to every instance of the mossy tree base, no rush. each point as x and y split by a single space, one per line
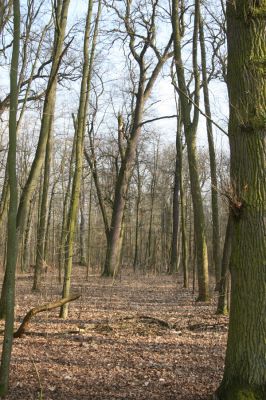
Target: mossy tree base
241 392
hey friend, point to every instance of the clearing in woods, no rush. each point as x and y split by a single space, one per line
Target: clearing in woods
142 338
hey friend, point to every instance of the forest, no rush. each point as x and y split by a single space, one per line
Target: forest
133 199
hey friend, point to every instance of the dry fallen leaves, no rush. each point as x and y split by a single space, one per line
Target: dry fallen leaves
142 338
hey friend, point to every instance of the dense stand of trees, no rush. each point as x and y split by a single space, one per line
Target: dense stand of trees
90 179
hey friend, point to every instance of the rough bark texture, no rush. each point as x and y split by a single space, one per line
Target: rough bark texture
245 363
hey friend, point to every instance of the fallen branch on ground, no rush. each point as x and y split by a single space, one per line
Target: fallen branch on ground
43 307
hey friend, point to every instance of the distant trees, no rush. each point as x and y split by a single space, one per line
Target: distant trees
245 363
141 40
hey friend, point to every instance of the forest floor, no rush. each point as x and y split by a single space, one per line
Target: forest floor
142 337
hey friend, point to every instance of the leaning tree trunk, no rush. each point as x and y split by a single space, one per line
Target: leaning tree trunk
12 212
47 115
245 362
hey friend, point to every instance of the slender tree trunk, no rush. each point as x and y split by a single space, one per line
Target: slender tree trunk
190 129
81 126
48 112
89 231
222 307
43 217
12 212
66 193
214 184
82 232
245 362
150 251
138 201
25 258
48 226
179 150
4 197
178 161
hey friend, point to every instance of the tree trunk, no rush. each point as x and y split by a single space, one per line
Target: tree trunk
138 200
214 184
66 197
48 112
12 212
190 129
81 126
177 175
222 307
111 266
245 362
40 259
82 231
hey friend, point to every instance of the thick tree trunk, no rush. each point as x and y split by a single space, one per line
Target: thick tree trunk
245 362
114 245
112 260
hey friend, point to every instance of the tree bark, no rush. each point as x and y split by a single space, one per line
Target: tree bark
48 111
222 307
214 184
145 85
12 212
81 126
190 129
245 362
40 257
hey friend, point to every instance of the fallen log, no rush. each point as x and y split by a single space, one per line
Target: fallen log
36 310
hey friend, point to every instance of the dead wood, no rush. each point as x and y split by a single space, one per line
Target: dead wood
44 307
152 320
204 327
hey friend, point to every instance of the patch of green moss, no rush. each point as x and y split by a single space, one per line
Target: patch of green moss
239 392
